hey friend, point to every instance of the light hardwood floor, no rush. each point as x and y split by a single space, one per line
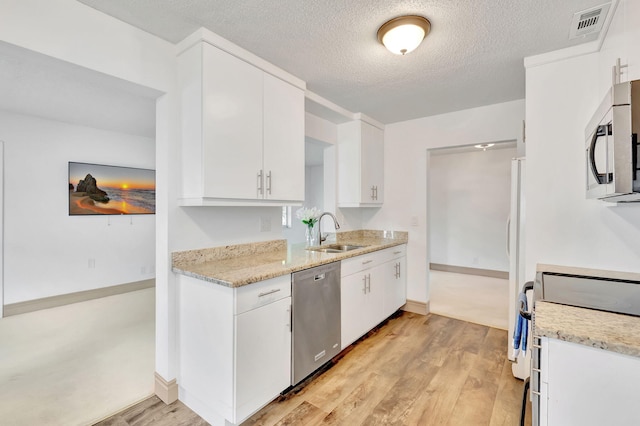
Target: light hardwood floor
413 370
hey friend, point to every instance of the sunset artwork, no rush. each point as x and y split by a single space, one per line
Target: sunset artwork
96 189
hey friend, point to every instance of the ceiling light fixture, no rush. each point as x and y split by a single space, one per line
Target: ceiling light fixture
484 146
403 34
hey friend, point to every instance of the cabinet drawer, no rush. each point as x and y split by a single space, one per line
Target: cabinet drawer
360 263
393 253
258 294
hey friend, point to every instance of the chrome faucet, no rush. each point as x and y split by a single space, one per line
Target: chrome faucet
335 224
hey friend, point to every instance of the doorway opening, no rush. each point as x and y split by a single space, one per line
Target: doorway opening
319 188
468 195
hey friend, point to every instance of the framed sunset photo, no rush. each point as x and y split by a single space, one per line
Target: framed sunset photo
97 189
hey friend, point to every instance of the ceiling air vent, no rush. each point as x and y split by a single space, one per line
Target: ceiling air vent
589 21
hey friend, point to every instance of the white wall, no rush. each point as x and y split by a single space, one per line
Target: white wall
562 226
469 199
46 250
405 149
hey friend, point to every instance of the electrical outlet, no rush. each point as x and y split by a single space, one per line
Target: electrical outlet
265 224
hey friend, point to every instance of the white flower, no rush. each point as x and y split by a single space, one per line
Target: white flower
308 216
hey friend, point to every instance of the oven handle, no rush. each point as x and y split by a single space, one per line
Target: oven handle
525 314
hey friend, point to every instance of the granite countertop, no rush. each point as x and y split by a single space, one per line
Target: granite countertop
242 264
599 329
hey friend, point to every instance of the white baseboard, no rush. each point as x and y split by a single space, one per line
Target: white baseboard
469 271
166 391
416 307
81 296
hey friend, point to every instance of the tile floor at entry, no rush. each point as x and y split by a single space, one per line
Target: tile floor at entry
481 300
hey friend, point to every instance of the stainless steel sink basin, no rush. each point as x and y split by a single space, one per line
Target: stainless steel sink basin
335 248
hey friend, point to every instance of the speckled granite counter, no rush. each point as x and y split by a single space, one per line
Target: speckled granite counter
238 265
613 332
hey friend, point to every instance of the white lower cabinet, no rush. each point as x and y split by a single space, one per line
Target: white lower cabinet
234 347
372 288
361 303
586 386
395 284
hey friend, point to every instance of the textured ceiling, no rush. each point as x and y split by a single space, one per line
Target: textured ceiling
473 56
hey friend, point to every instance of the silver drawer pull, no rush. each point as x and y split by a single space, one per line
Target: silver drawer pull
397 252
367 261
535 393
275 290
537 370
318 277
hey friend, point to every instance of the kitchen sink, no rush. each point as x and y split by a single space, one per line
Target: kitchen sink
335 248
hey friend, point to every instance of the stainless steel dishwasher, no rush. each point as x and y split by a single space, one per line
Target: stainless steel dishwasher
316 319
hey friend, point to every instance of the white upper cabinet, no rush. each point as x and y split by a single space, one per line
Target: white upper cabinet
360 165
242 132
283 140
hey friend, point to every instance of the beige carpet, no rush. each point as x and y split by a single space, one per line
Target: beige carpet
481 300
76 364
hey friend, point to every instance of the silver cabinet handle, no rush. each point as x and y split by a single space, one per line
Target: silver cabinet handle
275 290
369 281
269 182
364 284
397 252
373 192
535 392
367 261
319 277
260 180
290 315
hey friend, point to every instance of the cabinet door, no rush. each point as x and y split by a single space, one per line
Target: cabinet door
395 285
353 292
263 356
283 140
588 386
372 164
374 303
231 126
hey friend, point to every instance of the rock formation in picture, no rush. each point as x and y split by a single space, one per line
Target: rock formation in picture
90 187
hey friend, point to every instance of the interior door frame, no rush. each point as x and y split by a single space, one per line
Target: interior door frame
1 229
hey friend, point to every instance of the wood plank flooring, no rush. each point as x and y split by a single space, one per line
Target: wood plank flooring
412 370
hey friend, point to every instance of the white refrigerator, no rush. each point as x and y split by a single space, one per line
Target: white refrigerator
515 251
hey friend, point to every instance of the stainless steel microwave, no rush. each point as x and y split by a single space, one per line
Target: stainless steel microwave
612 146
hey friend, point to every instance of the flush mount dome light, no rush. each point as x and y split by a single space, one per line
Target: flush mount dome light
403 34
